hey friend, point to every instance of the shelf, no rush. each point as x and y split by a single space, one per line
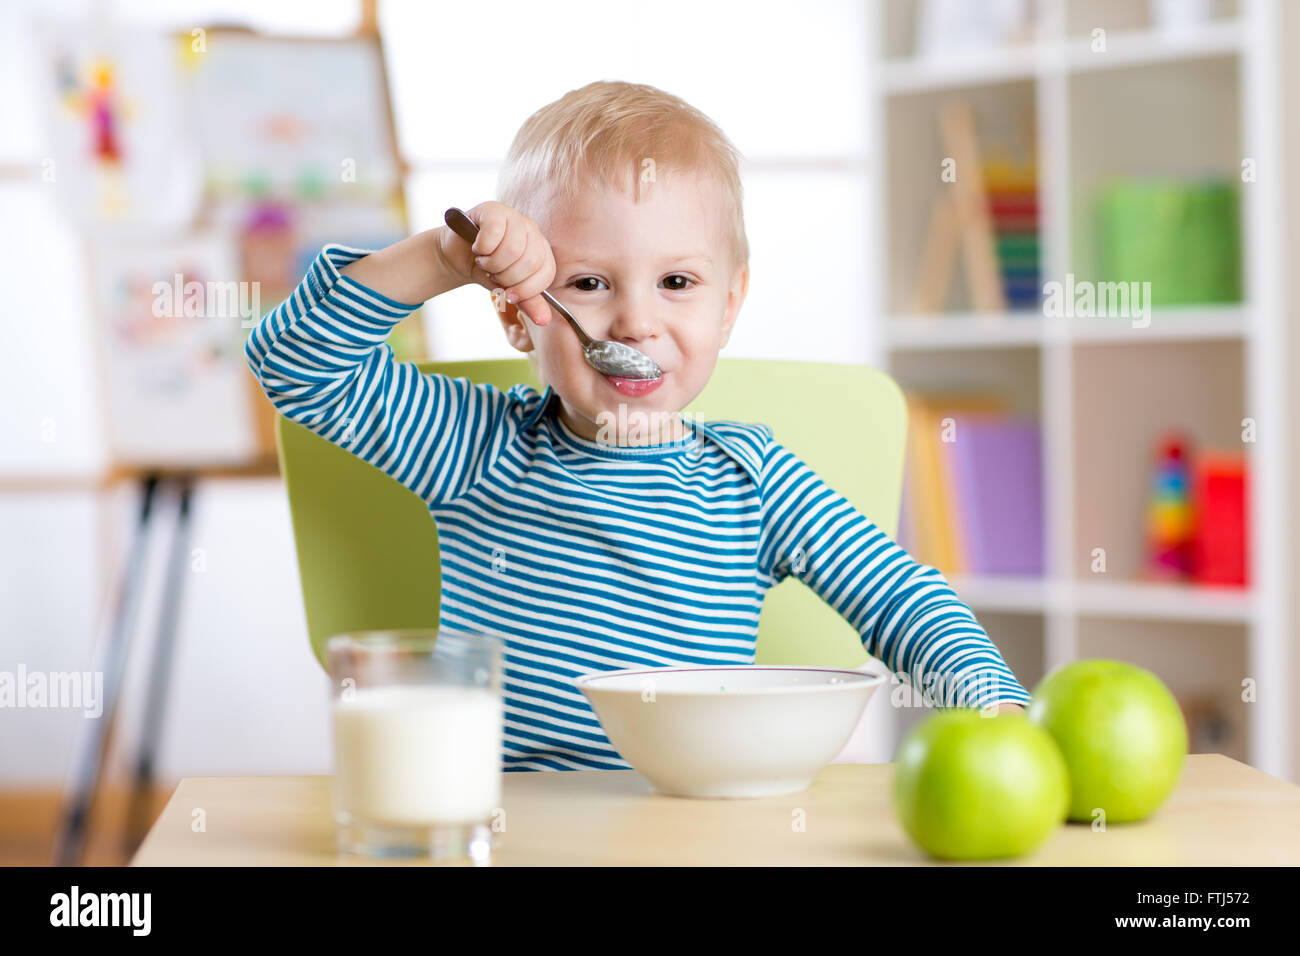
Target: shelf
927 74
1130 599
1193 324
1124 49
965 330
1013 594
974 330
1169 602
1188 104
1135 48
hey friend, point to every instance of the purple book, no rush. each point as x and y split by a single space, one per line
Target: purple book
996 471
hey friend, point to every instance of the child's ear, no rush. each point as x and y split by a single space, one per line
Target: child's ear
515 327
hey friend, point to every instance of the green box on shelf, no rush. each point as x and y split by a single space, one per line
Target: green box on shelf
1183 238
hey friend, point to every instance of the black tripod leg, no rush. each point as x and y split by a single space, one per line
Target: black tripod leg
137 818
88 756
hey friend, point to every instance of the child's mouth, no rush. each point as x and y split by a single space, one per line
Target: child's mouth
634 386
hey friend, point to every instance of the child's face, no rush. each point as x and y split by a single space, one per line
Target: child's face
656 275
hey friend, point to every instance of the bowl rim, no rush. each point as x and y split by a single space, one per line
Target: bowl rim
862 679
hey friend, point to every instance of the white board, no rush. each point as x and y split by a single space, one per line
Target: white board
171 322
292 117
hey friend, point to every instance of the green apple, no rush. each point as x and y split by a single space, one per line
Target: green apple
974 787
1121 732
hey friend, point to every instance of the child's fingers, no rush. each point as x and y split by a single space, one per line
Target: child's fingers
514 242
534 272
530 259
491 219
481 277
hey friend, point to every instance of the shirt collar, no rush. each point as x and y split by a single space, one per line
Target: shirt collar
540 408
745 457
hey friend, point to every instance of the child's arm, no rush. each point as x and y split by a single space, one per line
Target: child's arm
321 358
907 614
509 254
412 270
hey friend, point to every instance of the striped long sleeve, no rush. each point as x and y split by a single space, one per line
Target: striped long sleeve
321 358
907 614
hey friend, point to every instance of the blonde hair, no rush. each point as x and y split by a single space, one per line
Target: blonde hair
610 132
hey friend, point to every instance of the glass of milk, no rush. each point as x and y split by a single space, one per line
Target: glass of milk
417 742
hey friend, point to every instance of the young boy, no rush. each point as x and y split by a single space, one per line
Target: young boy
561 528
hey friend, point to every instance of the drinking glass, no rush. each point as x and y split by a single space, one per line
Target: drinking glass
417 742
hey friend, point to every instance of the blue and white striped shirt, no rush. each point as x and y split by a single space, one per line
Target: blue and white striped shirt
585 556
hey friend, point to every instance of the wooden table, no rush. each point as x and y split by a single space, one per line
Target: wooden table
1223 813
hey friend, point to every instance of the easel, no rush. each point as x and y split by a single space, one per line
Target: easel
92 747
960 215
154 484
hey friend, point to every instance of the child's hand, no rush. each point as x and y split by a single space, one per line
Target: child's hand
509 253
1002 707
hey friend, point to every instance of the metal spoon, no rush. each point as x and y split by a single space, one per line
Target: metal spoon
608 358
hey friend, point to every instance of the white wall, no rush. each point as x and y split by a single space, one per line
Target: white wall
246 694
50 577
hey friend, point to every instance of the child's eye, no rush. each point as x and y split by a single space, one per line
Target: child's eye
578 283
685 283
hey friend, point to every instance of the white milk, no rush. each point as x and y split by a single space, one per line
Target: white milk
418 754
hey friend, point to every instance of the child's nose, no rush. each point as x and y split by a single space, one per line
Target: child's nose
633 323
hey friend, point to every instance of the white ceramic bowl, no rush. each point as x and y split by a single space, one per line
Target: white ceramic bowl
731 730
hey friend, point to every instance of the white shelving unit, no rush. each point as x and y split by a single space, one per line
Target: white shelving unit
1152 102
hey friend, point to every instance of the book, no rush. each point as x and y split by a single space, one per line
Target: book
996 478
935 534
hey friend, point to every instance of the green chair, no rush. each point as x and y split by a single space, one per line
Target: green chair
368 550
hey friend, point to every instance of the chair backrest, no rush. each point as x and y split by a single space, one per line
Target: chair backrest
368 552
